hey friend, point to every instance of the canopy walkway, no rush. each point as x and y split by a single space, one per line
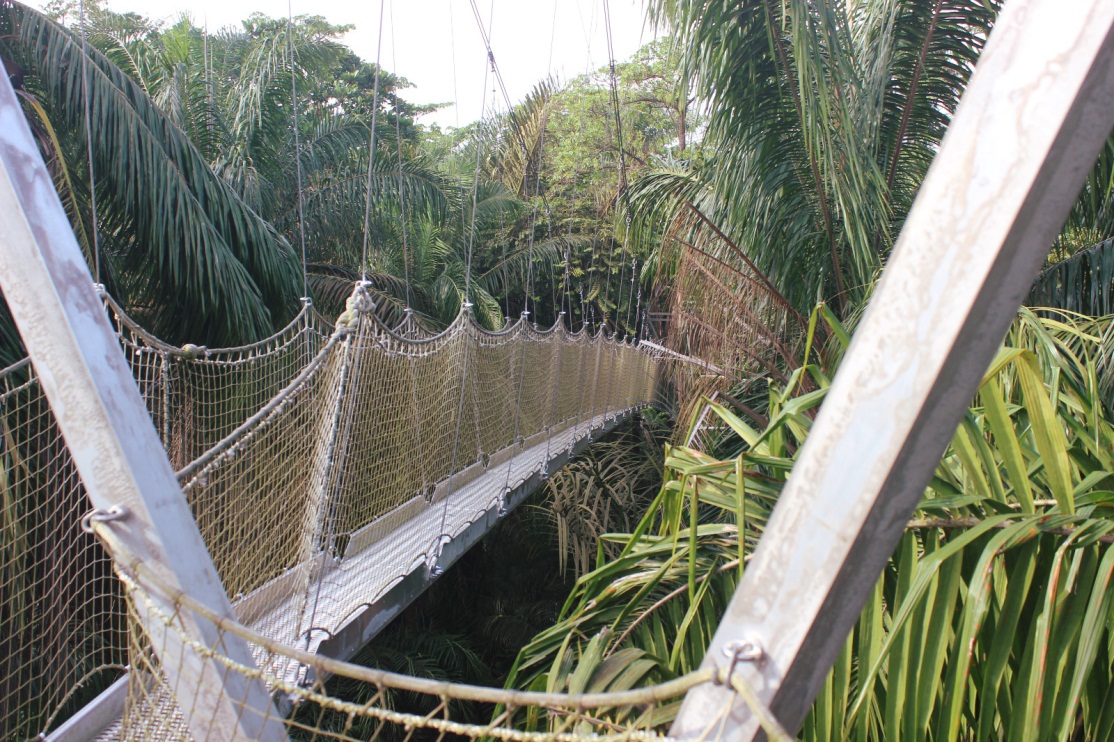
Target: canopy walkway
333 473
323 470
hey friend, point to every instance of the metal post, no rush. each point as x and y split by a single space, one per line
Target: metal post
110 435
1036 112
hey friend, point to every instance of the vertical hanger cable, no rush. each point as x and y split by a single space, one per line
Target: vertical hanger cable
89 143
297 144
371 145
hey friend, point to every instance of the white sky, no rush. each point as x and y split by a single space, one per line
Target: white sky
419 43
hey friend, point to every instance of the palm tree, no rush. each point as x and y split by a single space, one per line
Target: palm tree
823 118
432 263
1080 276
177 243
200 225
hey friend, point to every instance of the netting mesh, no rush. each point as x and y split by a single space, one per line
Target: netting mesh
62 619
322 468
379 453
197 396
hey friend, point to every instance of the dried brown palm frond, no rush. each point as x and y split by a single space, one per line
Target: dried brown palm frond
723 312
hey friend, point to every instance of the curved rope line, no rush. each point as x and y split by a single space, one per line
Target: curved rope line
273 407
145 581
126 321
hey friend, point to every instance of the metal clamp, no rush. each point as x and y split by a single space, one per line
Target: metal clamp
116 512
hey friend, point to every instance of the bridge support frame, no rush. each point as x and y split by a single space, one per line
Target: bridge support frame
1034 116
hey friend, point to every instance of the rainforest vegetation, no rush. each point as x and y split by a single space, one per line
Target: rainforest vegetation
732 191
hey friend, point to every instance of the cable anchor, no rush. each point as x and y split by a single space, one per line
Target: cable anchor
740 650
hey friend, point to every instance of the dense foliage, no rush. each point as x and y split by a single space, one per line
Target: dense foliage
760 158
247 146
822 121
994 619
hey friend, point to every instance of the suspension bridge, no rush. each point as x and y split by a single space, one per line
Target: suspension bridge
326 468
334 472
329 474
218 528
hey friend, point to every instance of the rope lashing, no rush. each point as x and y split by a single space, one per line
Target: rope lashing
356 305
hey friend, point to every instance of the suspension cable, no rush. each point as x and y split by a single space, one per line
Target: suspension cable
497 80
89 143
401 195
297 144
467 308
485 34
479 152
639 315
621 195
503 240
534 216
206 54
456 114
630 299
541 161
575 179
555 387
371 146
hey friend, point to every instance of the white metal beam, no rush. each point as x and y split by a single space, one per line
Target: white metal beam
114 445
1035 114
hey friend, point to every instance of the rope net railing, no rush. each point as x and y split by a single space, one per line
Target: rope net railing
63 624
344 701
322 466
197 396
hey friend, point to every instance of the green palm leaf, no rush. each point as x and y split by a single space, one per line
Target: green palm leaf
201 265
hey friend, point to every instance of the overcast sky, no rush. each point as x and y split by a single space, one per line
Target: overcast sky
436 44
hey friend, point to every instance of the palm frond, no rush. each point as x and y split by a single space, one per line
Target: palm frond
1080 283
993 619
